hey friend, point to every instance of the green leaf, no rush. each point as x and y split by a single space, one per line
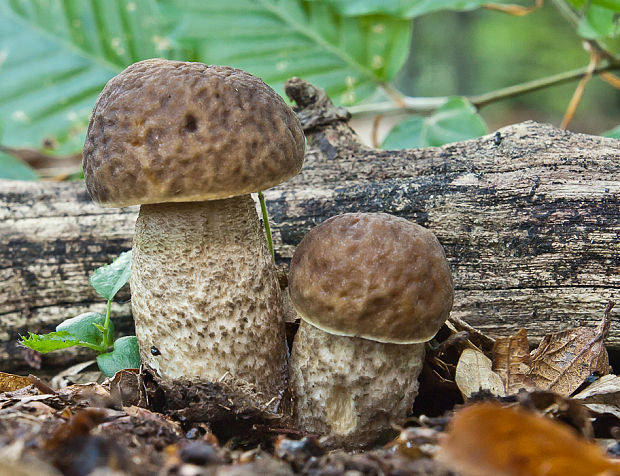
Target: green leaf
56 56
598 22
614 133
108 279
611 4
126 355
15 169
49 342
407 134
78 331
455 121
402 8
87 328
277 39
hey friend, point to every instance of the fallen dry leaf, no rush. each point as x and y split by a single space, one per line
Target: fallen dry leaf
563 360
602 396
490 440
511 361
473 374
10 382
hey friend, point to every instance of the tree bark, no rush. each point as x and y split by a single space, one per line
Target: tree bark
530 224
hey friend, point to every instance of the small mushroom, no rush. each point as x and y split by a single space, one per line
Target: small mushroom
370 288
190 142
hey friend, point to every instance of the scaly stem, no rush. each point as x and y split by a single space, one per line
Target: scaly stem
263 209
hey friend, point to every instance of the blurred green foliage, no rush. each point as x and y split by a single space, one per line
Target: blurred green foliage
454 121
56 55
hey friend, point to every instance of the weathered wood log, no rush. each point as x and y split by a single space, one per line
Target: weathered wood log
530 225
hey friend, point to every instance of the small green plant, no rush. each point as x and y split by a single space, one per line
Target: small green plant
95 330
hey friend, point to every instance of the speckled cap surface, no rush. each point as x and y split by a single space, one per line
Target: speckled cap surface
372 275
169 131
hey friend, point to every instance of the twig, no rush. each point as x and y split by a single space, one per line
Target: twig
430 104
394 94
512 9
482 340
537 84
375 130
611 79
578 94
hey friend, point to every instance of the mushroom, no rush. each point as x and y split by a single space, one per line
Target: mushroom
370 288
189 143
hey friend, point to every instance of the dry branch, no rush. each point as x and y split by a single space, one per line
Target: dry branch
530 225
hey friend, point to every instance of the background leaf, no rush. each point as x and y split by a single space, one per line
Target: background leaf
454 121
402 8
611 4
126 355
614 133
12 168
108 279
407 134
56 56
277 39
598 22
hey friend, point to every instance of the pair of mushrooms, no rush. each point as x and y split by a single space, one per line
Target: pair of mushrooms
189 143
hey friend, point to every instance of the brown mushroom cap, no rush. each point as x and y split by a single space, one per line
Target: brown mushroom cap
372 275
169 131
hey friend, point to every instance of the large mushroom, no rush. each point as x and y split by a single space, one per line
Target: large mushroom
189 143
370 288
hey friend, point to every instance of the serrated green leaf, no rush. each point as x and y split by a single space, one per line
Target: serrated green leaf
53 341
277 39
455 121
614 133
49 342
126 355
109 279
402 8
14 169
56 56
87 328
82 330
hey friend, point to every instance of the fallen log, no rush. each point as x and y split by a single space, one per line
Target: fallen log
529 218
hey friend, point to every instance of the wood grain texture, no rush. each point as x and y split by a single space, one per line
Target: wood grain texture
531 225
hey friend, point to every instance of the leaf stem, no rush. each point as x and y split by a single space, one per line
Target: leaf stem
106 326
263 209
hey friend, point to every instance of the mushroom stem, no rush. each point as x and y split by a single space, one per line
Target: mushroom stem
205 298
350 388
